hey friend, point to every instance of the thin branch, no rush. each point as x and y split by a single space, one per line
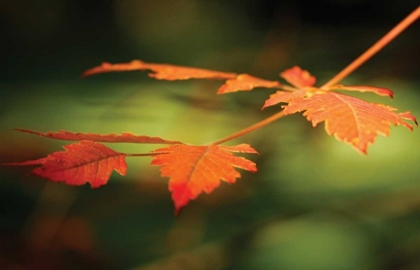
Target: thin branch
375 48
244 131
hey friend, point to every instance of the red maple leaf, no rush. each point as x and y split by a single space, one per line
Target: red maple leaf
194 169
81 163
350 119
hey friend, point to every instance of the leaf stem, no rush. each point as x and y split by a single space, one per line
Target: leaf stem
375 48
255 126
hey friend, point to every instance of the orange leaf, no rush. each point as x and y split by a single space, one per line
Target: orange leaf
362 88
245 82
113 138
351 120
194 169
82 162
298 77
162 71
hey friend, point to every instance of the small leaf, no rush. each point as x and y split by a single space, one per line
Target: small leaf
362 88
245 82
194 169
111 138
81 163
162 71
298 77
351 120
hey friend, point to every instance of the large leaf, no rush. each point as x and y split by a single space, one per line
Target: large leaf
194 169
351 120
81 163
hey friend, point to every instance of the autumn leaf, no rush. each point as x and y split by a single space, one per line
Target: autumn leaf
162 71
298 77
194 169
81 163
362 88
245 82
111 138
351 120
234 83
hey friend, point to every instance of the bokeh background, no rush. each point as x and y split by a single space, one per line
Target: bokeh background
315 203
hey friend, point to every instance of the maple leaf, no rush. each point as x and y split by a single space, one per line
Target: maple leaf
298 77
162 71
194 169
112 138
82 162
349 119
234 83
245 82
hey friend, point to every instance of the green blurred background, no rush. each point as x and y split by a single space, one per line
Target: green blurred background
315 203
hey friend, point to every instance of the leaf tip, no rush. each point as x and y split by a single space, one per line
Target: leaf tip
91 71
409 116
177 211
362 150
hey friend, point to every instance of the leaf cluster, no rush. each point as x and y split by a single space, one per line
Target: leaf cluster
194 169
